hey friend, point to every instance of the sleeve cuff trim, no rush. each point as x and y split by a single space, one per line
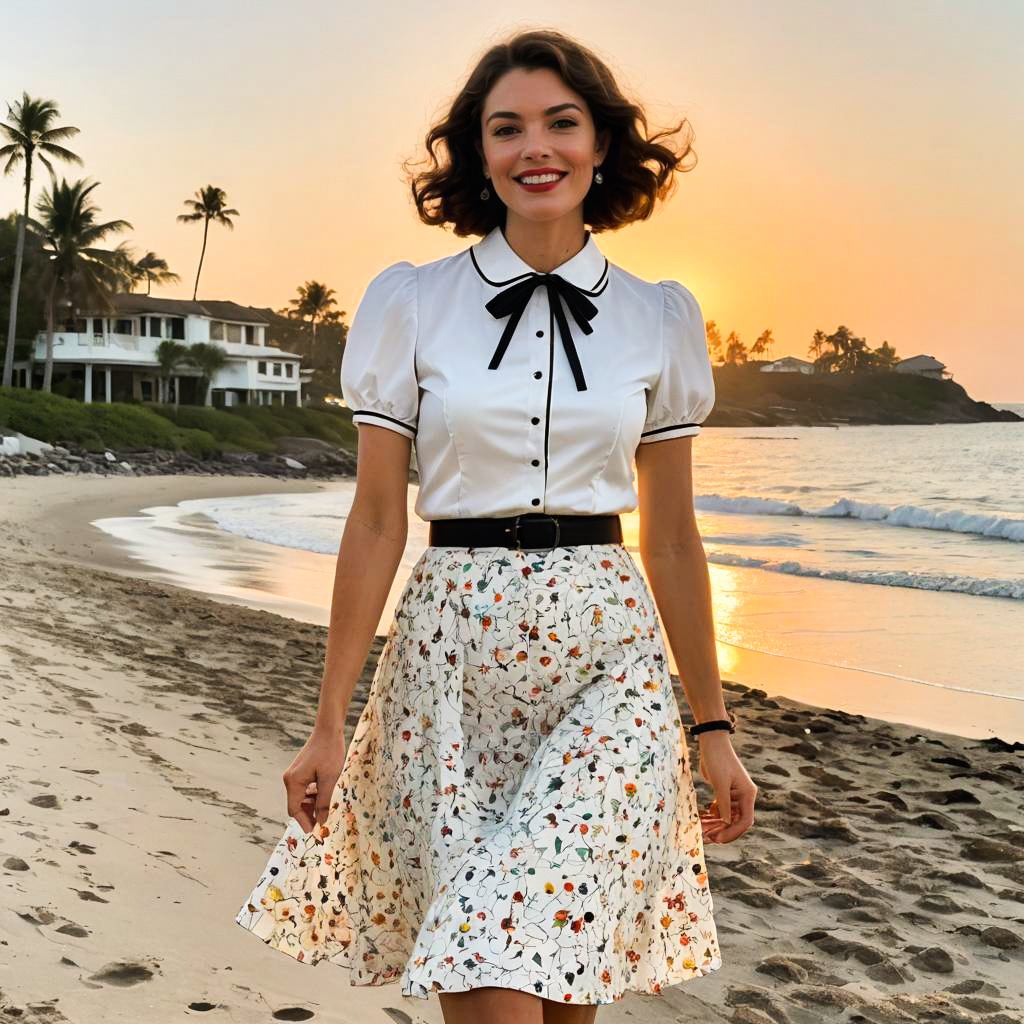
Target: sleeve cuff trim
690 427
365 415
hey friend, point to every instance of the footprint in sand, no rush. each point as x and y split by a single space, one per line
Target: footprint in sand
86 894
74 930
123 973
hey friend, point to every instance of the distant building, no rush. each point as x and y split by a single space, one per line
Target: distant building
923 366
114 357
788 364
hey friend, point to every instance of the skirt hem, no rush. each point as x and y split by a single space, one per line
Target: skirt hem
395 975
614 997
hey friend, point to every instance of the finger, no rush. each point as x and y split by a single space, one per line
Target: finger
295 790
743 817
324 801
723 805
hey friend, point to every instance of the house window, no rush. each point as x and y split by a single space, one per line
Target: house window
277 369
288 369
250 334
178 328
97 325
235 333
262 366
216 330
123 327
155 327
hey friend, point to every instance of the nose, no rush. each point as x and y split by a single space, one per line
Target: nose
535 144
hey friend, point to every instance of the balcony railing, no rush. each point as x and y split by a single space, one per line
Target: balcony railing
85 342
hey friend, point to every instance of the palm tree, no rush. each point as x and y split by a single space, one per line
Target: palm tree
762 346
169 354
714 340
75 270
885 356
314 302
208 358
154 270
210 204
848 354
735 350
149 268
31 133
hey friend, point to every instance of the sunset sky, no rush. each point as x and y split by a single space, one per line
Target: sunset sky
857 164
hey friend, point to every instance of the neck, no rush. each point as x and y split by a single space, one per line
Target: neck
545 245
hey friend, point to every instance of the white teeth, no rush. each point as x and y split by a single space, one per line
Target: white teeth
539 179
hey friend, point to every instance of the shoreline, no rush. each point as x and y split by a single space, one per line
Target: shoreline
62 510
147 728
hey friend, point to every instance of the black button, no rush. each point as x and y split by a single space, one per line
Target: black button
535 462
537 374
535 420
536 501
540 334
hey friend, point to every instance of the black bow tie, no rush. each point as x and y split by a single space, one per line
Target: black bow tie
512 303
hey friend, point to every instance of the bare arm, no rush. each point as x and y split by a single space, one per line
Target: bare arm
673 557
370 552
676 566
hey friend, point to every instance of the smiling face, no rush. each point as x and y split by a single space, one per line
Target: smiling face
534 125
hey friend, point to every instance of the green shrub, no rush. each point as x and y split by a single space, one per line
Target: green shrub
199 430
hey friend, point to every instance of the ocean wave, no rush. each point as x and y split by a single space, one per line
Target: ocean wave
973 586
953 521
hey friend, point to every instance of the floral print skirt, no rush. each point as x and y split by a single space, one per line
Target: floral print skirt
516 807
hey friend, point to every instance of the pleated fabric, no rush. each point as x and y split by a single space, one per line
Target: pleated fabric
516 807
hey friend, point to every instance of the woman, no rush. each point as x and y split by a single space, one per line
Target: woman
515 824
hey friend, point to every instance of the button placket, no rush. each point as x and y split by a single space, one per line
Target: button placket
538 315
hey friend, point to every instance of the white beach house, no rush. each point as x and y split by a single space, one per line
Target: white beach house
788 364
923 366
113 358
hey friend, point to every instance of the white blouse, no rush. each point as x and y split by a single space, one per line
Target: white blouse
540 415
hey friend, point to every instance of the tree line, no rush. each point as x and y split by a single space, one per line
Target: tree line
841 351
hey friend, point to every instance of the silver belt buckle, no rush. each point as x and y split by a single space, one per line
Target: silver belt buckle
514 530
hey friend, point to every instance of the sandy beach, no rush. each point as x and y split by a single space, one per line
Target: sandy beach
144 735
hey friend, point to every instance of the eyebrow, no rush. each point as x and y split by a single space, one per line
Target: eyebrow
547 113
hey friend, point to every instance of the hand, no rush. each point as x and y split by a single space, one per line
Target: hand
310 779
732 810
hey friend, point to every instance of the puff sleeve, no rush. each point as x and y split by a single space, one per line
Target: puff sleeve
684 393
378 367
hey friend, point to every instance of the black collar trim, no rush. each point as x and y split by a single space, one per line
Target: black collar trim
595 289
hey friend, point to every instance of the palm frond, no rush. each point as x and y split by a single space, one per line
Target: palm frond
58 151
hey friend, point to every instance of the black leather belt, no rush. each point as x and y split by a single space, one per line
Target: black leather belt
528 531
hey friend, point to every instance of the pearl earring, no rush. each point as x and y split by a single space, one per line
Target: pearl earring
598 176
485 193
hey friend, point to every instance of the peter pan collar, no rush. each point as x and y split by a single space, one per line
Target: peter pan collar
499 264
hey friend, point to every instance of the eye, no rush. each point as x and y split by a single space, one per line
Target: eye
562 120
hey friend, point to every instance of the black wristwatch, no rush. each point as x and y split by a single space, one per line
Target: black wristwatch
718 723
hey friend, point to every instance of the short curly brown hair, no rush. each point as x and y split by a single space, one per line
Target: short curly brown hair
638 169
